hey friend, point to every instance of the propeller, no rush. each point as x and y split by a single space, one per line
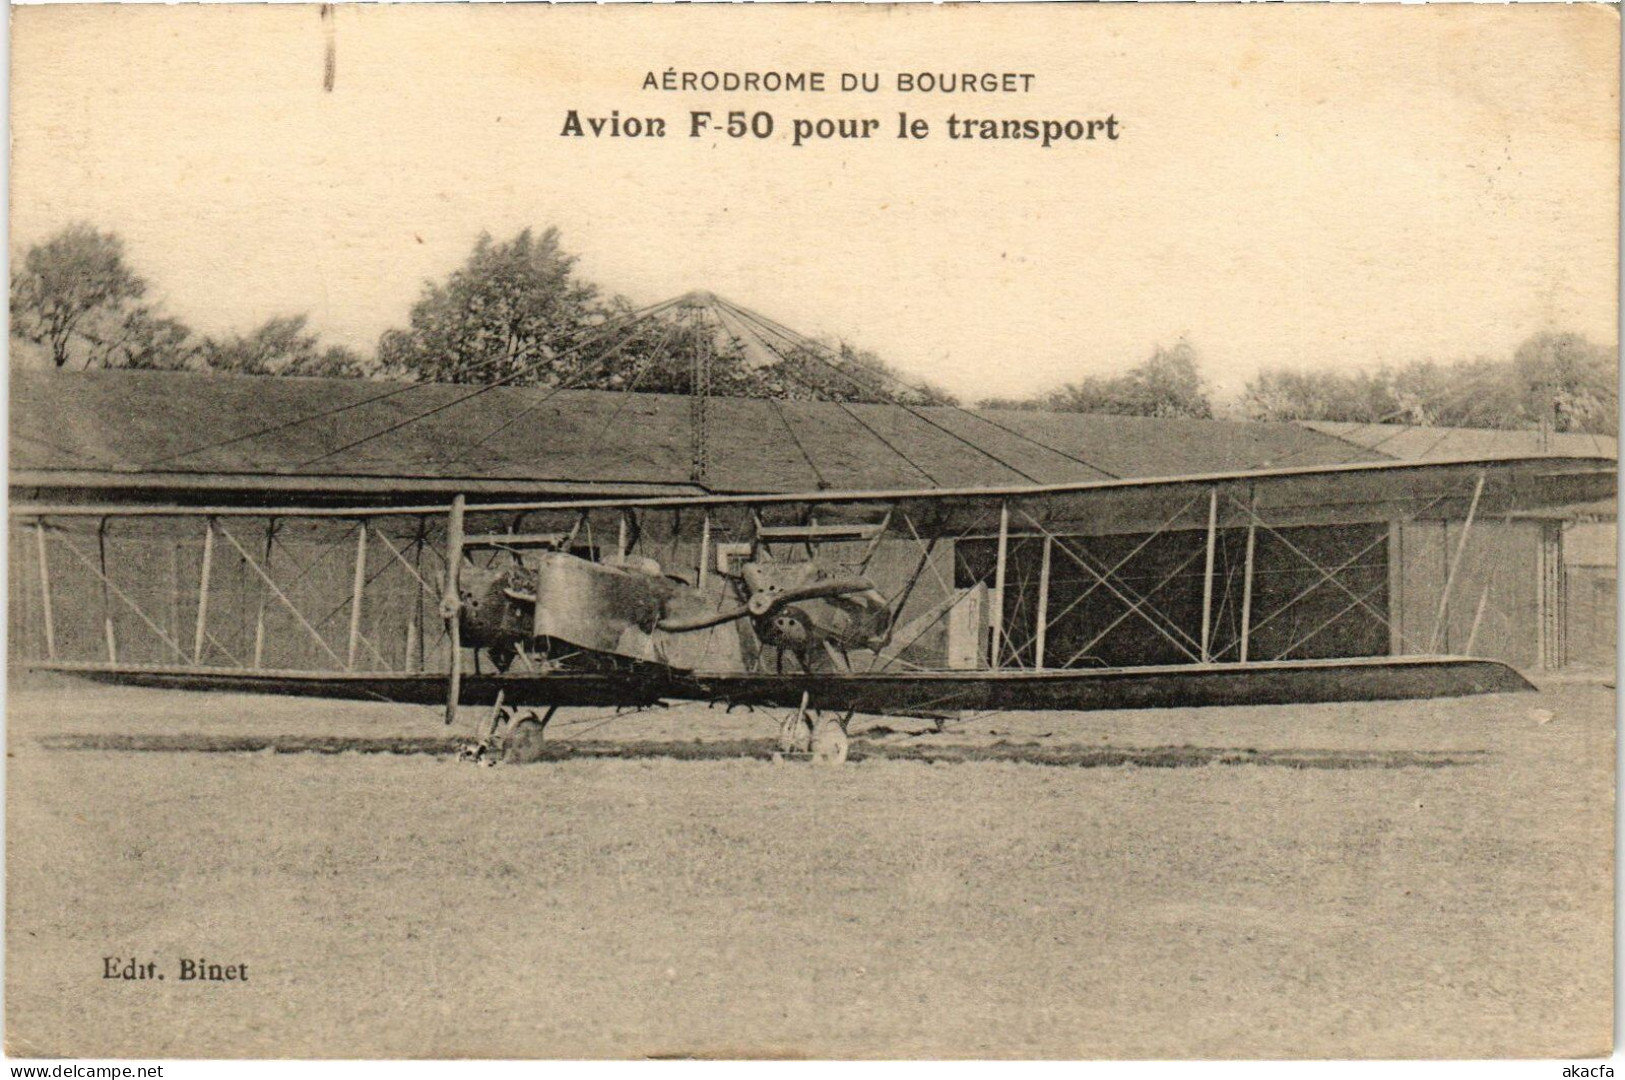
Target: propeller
764 604
451 606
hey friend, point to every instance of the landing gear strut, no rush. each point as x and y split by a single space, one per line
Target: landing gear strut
509 735
822 735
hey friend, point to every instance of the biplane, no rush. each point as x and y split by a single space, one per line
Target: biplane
1087 591
825 604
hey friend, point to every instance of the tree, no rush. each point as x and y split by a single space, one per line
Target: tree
1167 384
1568 382
657 355
516 312
336 362
1477 393
1293 394
1558 379
73 280
145 339
282 346
868 368
509 313
843 372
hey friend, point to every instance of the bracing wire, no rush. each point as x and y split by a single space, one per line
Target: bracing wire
818 474
484 389
778 408
911 409
860 421
394 391
639 370
646 313
800 341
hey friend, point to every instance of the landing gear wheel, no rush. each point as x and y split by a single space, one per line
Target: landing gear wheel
829 742
522 744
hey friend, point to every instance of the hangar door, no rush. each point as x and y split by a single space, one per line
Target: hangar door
1315 592
1506 601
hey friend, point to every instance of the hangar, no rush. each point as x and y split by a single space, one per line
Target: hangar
1327 584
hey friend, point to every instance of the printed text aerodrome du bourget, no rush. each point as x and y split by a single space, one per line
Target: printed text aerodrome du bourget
982 113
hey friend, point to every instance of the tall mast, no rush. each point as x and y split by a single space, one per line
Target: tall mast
700 387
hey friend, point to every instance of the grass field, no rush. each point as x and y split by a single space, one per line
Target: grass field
409 905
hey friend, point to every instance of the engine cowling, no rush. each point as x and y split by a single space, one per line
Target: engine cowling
851 613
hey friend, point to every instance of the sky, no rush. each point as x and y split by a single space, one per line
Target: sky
1322 186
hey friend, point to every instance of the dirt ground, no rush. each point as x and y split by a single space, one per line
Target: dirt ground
1451 895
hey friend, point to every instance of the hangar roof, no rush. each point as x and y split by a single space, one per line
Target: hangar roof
1408 442
133 430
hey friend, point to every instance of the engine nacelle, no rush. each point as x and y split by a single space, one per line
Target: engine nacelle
492 617
852 616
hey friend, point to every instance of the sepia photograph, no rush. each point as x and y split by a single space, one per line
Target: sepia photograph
861 531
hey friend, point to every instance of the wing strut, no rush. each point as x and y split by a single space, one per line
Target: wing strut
451 606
